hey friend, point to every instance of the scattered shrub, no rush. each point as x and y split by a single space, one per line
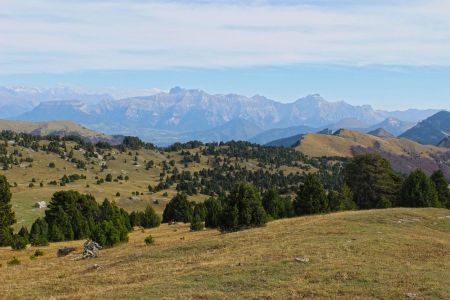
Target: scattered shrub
14 261
149 240
18 242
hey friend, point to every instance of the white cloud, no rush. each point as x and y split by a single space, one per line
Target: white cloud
60 36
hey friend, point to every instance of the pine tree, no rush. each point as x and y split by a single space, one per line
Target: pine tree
418 191
56 234
23 232
178 209
7 216
60 226
229 218
243 208
150 218
213 212
342 199
197 223
273 204
18 242
442 189
372 181
311 197
39 233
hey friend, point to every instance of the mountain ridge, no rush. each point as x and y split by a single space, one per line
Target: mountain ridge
186 111
431 130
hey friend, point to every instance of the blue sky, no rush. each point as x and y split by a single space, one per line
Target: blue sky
390 54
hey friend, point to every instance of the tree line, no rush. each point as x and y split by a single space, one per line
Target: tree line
72 216
368 182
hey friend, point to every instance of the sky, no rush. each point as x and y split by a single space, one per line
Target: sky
389 54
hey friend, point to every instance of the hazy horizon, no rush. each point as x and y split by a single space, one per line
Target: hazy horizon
391 55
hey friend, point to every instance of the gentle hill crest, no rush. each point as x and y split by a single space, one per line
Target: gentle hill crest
405 155
57 128
431 130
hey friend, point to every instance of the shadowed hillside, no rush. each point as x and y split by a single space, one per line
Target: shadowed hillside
404 155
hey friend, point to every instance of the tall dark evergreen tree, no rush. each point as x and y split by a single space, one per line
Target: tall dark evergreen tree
272 203
342 199
197 223
242 208
442 189
150 218
179 209
7 216
39 233
311 197
372 181
418 191
23 232
213 212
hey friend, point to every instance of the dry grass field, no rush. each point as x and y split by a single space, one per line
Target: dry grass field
341 144
377 254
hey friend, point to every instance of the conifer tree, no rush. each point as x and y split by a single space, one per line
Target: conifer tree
213 212
150 218
442 189
23 232
242 209
372 181
311 197
39 233
342 199
7 216
418 190
197 223
178 209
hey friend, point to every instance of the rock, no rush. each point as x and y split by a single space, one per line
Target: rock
65 251
40 204
411 295
91 249
302 259
93 267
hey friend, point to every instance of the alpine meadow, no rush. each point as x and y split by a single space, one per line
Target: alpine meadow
224 149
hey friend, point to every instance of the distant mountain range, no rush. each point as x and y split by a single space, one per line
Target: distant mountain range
19 100
182 114
432 130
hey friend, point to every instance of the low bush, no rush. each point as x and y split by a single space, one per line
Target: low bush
14 261
149 240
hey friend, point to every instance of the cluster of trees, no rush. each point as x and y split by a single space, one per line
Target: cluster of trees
73 216
147 219
375 185
369 182
242 208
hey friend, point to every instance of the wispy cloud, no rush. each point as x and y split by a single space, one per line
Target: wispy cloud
61 36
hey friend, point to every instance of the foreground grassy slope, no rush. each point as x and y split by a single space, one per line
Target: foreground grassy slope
377 254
